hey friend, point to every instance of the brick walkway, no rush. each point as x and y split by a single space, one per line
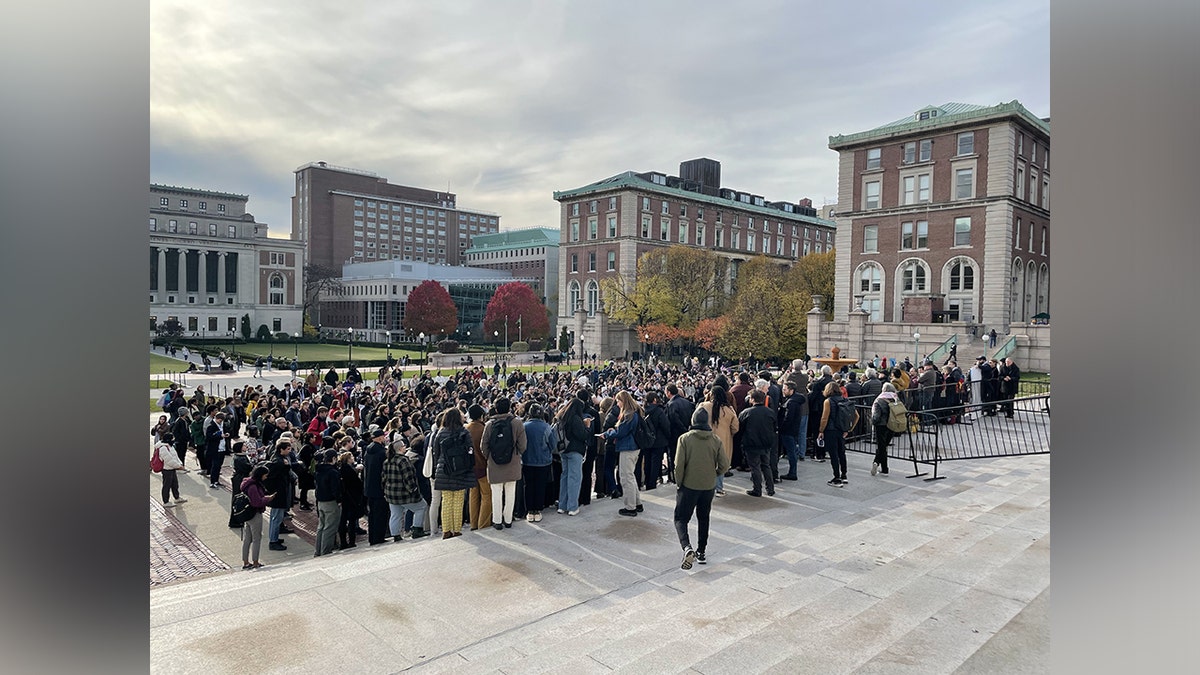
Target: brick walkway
176 553
303 522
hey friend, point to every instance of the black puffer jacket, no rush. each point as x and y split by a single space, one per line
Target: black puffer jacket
454 465
758 424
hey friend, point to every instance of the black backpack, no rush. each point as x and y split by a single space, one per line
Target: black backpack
560 438
643 433
242 510
841 415
453 457
500 441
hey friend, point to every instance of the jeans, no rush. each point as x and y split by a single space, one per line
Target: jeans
835 445
328 515
397 511
688 500
569 484
252 538
760 468
790 446
629 486
276 522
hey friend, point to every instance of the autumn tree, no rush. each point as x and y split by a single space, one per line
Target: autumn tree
517 302
813 275
640 301
709 331
766 317
675 287
430 310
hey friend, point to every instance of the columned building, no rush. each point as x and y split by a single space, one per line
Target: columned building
607 225
944 216
349 215
211 264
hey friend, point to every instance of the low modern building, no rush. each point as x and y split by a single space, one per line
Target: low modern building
528 253
374 296
607 225
211 264
350 215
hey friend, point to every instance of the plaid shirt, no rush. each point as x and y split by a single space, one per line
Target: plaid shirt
400 480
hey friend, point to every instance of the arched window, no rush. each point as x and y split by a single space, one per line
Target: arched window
869 278
593 297
914 277
959 286
1043 299
1018 291
275 284
572 297
1031 290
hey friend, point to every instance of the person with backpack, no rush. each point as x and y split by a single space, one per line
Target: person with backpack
651 460
622 435
166 466
759 423
886 407
502 446
481 492
838 417
256 491
454 469
243 465
575 430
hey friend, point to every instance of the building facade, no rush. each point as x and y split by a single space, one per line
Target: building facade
347 215
944 216
211 264
373 297
607 225
529 253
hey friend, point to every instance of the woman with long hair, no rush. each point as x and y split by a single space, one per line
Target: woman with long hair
576 431
723 419
256 491
627 450
454 469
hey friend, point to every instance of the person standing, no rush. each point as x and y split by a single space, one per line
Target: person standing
255 488
243 466
700 459
724 423
832 433
503 444
214 438
377 508
402 492
627 450
279 482
577 434
181 431
737 395
651 459
454 469
992 338
816 403
537 461
679 412
881 410
480 511
352 494
1010 380
759 424
793 424
171 464
328 489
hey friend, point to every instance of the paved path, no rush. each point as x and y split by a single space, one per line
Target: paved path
888 575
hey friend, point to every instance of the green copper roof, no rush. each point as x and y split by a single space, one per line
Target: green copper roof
512 239
945 115
631 180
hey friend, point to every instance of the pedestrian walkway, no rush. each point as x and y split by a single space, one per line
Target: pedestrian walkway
886 575
176 553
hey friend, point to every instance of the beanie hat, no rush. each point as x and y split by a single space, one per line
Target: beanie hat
700 420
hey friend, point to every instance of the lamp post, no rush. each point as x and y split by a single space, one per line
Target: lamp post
320 337
646 346
581 352
917 348
296 345
496 345
232 345
421 337
389 345
350 347
506 333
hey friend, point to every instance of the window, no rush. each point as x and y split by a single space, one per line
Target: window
231 231
572 297
164 201
735 239
871 201
612 261
612 203
871 239
1044 229
1045 193
276 289
964 183
593 298
966 143
683 210
806 233
1033 180
807 246
574 230
220 208
172 225
749 241
1030 249
911 238
720 237
683 233
193 228
664 227
869 279
923 187
1020 181
591 207
1020 144
926 151
203 206
153 225
212 229
592 228
910 190
666 208
913 277
645 203
766 244
910 152
645 227
592 261
612 226
699 213
962 277
962 231
779 246
183 203
1033 153
1017 236
874 156
699 235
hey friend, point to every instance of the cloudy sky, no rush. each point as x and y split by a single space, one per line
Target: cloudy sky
504 102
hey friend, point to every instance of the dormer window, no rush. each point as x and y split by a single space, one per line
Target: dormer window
927 114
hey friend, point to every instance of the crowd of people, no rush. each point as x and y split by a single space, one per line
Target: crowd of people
424 454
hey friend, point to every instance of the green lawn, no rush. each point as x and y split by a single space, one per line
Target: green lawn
318 353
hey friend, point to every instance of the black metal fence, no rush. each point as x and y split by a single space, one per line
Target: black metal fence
959 432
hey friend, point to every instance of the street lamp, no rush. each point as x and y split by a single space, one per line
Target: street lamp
581 352
320 337
350 347
496 346
646 346
389 345
421 337
296 345
917 348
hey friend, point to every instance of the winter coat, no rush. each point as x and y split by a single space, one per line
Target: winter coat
758 423
794 411
657 417
373 458
725 427
328 483
699 459
503 473
539 443
622 434
257 494
448 443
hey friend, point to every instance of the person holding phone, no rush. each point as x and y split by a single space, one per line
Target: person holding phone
256 491
576 428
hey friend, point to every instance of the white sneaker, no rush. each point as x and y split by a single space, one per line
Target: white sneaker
180 501
874 468
689 557
573 513
529 517
537 517
561 511
168 505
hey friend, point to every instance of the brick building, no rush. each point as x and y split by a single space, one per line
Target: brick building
607 225
348 215
944 216
529 253
211 263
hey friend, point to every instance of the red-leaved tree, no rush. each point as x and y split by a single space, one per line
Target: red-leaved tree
430 310
516 300
708 331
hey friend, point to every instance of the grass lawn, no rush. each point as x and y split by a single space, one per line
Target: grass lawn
159 363
318 353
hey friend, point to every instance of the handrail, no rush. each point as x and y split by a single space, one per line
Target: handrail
943 349
1006 349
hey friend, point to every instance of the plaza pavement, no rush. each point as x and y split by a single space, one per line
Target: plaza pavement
886 575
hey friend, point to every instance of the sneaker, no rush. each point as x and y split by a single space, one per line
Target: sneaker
627 512
418 532
844 480
277 546
537 517
754 493
874 468
729 474
561 511
770 493
639 508
700 558
508 525
719 493
789 476
834 482
213 485
168 505
529 517
180 500
884 472
573 513
689 557
498 526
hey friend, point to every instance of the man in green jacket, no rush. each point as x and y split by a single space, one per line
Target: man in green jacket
699 459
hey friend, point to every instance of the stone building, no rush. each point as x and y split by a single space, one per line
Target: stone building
529 253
